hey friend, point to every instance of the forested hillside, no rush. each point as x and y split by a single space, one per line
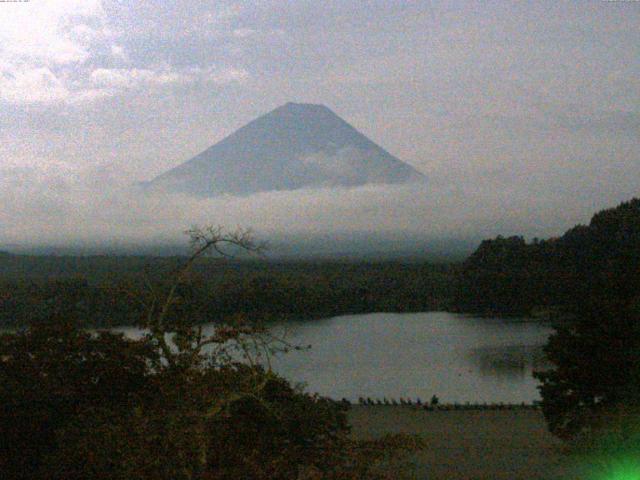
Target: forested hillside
510 276
110 291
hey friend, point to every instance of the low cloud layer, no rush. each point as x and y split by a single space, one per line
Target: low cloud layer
49 209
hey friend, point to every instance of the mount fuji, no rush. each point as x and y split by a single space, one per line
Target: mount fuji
292 147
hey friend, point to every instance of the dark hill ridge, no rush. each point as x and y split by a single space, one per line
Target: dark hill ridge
601 260
291 147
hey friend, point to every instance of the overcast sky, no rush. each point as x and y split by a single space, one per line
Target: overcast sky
525 116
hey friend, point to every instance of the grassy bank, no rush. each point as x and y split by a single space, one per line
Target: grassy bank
473 444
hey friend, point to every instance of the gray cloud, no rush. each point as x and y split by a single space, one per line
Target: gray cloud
71 51
57 209
523 116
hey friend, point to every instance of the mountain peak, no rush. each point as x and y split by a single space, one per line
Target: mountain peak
294 146
292 108
303 106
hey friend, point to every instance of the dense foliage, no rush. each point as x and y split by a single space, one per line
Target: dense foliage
106 291
596 347
55 374
176 404
77 406
508 276
595 354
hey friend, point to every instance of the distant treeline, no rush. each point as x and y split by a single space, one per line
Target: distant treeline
503 277
106 291
508 276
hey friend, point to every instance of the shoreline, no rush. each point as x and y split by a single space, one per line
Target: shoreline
470 444
429 407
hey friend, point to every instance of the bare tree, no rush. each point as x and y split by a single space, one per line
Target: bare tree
188 338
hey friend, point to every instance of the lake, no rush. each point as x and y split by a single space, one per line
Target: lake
456 357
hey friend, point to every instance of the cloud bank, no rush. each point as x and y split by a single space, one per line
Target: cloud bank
58 209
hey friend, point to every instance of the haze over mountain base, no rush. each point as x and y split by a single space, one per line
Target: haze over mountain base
382 218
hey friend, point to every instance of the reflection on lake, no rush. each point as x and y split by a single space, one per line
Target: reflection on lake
456 357
509 361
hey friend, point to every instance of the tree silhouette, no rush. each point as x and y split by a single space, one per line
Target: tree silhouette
178 404
596 365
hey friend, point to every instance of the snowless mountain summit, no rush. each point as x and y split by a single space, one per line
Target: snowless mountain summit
294 146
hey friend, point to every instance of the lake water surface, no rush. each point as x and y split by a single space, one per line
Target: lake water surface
458 358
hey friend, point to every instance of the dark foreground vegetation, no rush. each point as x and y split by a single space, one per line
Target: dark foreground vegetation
76 405
588 283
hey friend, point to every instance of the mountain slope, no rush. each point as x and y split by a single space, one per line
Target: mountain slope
294 146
